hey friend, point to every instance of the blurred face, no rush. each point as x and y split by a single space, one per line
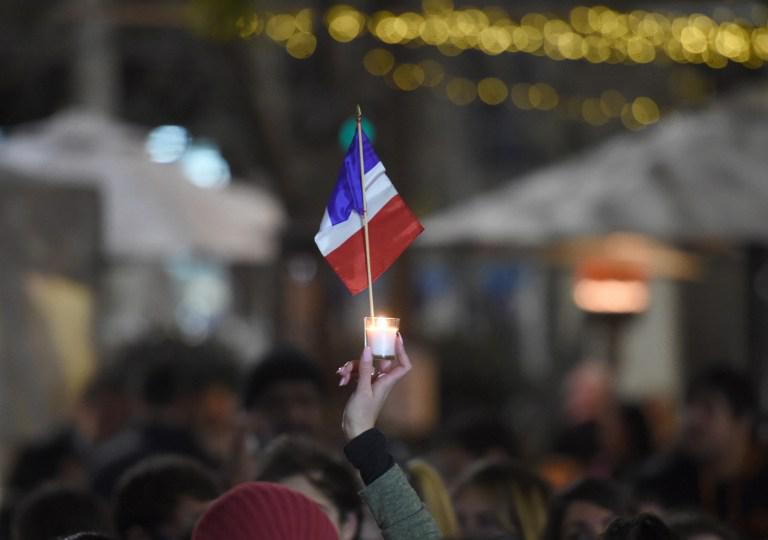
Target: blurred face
215 419
347 528
292 407
709 427
585 521
478 518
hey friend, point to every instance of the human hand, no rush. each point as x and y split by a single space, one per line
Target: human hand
366 402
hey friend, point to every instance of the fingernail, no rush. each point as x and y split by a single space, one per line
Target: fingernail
401 338
339 370
367 355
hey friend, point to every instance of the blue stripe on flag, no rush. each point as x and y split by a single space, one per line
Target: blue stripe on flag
347 194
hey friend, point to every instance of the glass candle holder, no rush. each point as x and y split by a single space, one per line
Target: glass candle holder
380 336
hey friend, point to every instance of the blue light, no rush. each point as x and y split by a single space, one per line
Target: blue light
204 165
166 144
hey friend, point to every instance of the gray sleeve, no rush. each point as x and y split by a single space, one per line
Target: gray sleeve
397 509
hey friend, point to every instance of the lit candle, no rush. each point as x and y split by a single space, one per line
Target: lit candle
380 335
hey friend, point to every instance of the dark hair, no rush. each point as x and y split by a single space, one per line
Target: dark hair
293 455
41 461
148 493
280 364
641 527
687 525
52 511
604 493
725 381
172 368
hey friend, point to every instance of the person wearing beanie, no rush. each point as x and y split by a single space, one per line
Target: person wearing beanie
264 511
394 504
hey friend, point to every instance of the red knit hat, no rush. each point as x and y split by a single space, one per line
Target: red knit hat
260 510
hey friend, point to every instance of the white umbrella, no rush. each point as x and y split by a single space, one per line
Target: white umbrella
150 210
698 175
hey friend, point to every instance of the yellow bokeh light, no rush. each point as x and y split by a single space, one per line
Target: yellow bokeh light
436 7
391 30
629 120
554 29
492 91
301 45
536 20
760 42
645 111
543 97
519 96
303 21
593 113
579 18
693 39
408 77
612 102
433 73
378 62
494 40
598 49
461 91
281 27
527 38
248 26
640 50
434 31
346 26
571 46
732 41
414 22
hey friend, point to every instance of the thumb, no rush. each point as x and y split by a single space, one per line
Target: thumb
365 371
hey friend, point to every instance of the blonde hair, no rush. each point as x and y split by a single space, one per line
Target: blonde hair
430 486
519 495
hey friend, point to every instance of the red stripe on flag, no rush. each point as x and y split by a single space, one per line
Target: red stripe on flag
390 231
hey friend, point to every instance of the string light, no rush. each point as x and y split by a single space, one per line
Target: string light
596 111
595 34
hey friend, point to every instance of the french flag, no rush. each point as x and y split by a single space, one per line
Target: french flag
391 224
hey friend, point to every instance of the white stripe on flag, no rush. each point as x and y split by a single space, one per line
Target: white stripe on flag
378 189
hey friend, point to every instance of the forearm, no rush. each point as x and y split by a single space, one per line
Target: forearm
395 506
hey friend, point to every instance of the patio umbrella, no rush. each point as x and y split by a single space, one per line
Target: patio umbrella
693 176
150 210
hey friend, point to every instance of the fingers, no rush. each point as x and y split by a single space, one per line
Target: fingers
345 372
402 356
365 371
397 370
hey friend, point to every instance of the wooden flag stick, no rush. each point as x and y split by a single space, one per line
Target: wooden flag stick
365 208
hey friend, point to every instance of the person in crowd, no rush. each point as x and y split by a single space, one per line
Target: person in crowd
264 511
189 401
640 527
300 464
108 403
57 458
584 510
161 498
53 511
394 504
695 526
284 395
470 437
429 485
717 466
501 500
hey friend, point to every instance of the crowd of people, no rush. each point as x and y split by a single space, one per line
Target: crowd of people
175 441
